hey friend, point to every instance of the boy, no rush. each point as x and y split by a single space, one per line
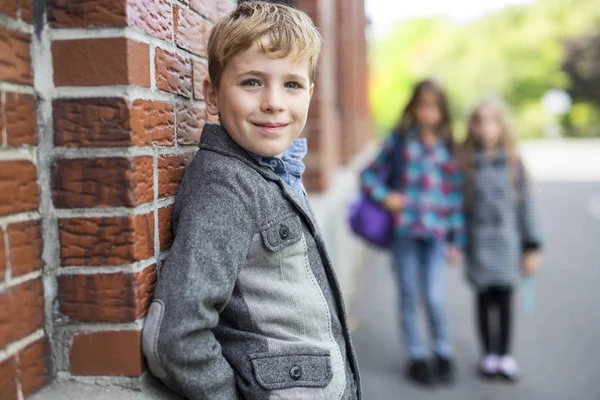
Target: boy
247 305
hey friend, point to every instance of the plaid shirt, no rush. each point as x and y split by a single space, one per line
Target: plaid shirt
290 166
431 183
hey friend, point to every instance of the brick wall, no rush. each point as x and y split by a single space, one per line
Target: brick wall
352 78
24 348
338 122
100 112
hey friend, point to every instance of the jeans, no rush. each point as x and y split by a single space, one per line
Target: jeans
419 268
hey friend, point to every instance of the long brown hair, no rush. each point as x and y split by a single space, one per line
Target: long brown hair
471 145
408 118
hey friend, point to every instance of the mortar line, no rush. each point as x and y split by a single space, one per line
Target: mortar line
109 212
20 344
3 118
43 73
16 88
16 218
15 24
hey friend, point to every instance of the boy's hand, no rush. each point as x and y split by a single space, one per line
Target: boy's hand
531 262
454 255
394 201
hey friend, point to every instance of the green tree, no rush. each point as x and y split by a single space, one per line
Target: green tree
516 53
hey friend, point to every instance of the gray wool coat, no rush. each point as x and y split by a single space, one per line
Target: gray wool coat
501 224
247 305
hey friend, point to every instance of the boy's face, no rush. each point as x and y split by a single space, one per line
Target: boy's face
262 102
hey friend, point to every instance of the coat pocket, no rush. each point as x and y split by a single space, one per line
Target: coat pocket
282 371
282 233
150 338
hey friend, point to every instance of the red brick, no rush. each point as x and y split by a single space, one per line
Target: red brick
119 297
146 283
173 73
153 120
2 256
8 379
2 109
108 353
190 121
170 173
106 240
211 9
15 59
87 13
103 182
26 245
200 72
94 122
21 311
34 366
151 16
191 30
21 119
111 122
97 62
316 180
27 11
9 8
207 8
165 227
19 190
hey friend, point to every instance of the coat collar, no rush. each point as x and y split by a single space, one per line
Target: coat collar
215 138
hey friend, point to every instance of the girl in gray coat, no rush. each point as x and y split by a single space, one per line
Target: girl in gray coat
502 231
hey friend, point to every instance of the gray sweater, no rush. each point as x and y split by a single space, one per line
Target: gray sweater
247 305
501 224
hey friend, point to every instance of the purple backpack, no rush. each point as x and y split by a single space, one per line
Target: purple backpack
368 218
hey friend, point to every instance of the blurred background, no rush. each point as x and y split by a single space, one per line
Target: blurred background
543 58
522 50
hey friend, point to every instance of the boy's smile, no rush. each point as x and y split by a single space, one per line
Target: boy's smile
262 101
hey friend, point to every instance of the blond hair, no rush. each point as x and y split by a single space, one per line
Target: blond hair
471 145
286 30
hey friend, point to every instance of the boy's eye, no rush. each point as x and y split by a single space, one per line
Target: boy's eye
293 85
251 82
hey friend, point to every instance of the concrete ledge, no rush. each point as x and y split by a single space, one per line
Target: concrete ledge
150 389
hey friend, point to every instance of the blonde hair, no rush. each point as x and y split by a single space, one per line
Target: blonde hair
471 145
285 28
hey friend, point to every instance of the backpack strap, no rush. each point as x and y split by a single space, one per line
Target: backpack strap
398 161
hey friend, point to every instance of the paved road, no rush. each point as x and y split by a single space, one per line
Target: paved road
558 346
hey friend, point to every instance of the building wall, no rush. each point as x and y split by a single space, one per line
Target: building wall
24 347
100 112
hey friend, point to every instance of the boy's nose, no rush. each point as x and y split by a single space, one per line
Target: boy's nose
272 101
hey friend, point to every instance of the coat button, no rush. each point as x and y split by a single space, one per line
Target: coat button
284 232
296 372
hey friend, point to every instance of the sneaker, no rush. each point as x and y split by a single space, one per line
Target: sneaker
420 372
489 365
444 370
508 369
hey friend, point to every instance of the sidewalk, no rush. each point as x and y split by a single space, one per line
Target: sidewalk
557 346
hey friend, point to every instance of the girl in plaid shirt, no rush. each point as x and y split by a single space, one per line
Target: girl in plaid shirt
424 195
502 230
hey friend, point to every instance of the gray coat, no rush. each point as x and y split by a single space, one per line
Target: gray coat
247 305
501 224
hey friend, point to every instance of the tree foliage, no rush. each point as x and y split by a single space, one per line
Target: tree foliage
518 53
